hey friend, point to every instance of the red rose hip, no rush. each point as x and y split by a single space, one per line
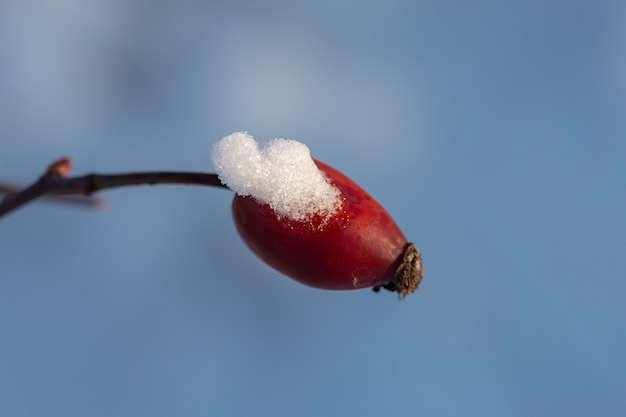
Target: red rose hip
352 243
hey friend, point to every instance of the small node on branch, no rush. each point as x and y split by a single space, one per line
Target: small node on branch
60 167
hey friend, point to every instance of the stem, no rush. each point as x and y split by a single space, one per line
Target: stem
56 183
89 201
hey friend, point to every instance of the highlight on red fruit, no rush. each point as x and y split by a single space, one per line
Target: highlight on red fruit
310 221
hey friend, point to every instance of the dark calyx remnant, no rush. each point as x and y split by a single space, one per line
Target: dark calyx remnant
408 275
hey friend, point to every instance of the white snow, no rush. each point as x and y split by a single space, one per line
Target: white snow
280 173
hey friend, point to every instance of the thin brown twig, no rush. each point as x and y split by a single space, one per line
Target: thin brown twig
55 182
78 200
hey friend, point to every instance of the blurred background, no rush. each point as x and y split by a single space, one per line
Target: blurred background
494 133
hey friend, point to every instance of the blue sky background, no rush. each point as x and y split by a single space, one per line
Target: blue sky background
494 132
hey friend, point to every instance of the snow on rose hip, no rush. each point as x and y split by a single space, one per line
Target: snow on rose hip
310 221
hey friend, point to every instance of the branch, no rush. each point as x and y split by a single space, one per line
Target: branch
78 200
55 182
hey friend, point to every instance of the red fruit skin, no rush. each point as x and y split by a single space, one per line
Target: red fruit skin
360 246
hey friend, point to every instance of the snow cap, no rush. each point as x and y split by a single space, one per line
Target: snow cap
280 173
